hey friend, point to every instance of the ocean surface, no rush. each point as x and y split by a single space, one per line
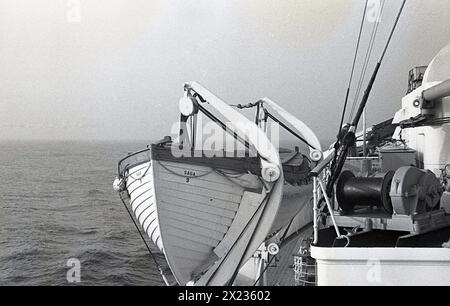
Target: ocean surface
57 203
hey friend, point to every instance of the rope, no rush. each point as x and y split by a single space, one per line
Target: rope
249 105
135 178
346 237
158 266
269 115
228 176
184 176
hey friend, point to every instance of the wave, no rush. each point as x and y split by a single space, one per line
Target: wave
95 192
60 204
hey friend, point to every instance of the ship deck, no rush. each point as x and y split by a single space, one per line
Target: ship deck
281 271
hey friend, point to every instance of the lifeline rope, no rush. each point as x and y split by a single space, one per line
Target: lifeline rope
158 266
135 178
181 175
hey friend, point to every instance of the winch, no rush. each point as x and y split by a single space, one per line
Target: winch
352 191
407 191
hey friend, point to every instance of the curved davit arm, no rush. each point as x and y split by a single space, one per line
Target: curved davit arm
297 124
258 225
270 160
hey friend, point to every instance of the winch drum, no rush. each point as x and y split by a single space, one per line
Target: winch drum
354 191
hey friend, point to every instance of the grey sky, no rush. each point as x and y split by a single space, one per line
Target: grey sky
118 72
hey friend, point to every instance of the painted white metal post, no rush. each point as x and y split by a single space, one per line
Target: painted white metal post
330 209
364 133
315 211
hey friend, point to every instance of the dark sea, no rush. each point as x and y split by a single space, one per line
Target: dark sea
57 203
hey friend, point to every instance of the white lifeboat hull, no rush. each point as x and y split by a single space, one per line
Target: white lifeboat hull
203 218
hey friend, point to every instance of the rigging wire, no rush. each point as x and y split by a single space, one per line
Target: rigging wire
366 60
353 68
344 110
269 115
289 129
335 172
369 88
393 30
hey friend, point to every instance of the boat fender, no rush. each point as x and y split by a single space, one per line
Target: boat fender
119 184
273 248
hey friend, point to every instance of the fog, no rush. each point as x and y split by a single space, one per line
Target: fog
114 70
